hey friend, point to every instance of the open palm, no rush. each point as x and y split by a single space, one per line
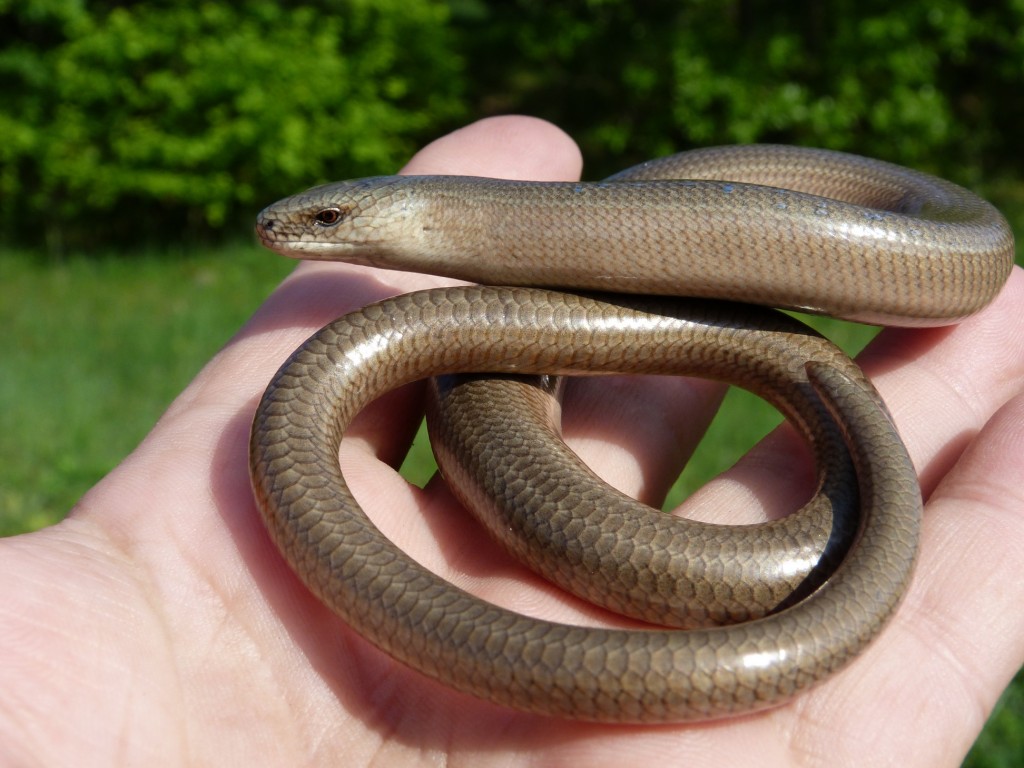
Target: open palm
158 625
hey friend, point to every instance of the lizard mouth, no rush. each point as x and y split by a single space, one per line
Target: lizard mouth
300 247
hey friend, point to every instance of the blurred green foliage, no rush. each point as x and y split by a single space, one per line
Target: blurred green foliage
153 120
129 121
927 82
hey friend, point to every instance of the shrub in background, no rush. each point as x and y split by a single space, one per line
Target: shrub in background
134 121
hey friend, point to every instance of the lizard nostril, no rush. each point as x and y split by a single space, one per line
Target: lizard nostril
264 222
265 227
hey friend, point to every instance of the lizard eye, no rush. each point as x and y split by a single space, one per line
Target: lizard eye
328 217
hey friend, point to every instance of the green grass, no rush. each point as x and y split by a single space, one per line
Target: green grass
94 349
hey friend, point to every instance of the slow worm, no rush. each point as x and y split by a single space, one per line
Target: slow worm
778 226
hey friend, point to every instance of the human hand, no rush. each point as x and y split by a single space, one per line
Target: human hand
157 623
